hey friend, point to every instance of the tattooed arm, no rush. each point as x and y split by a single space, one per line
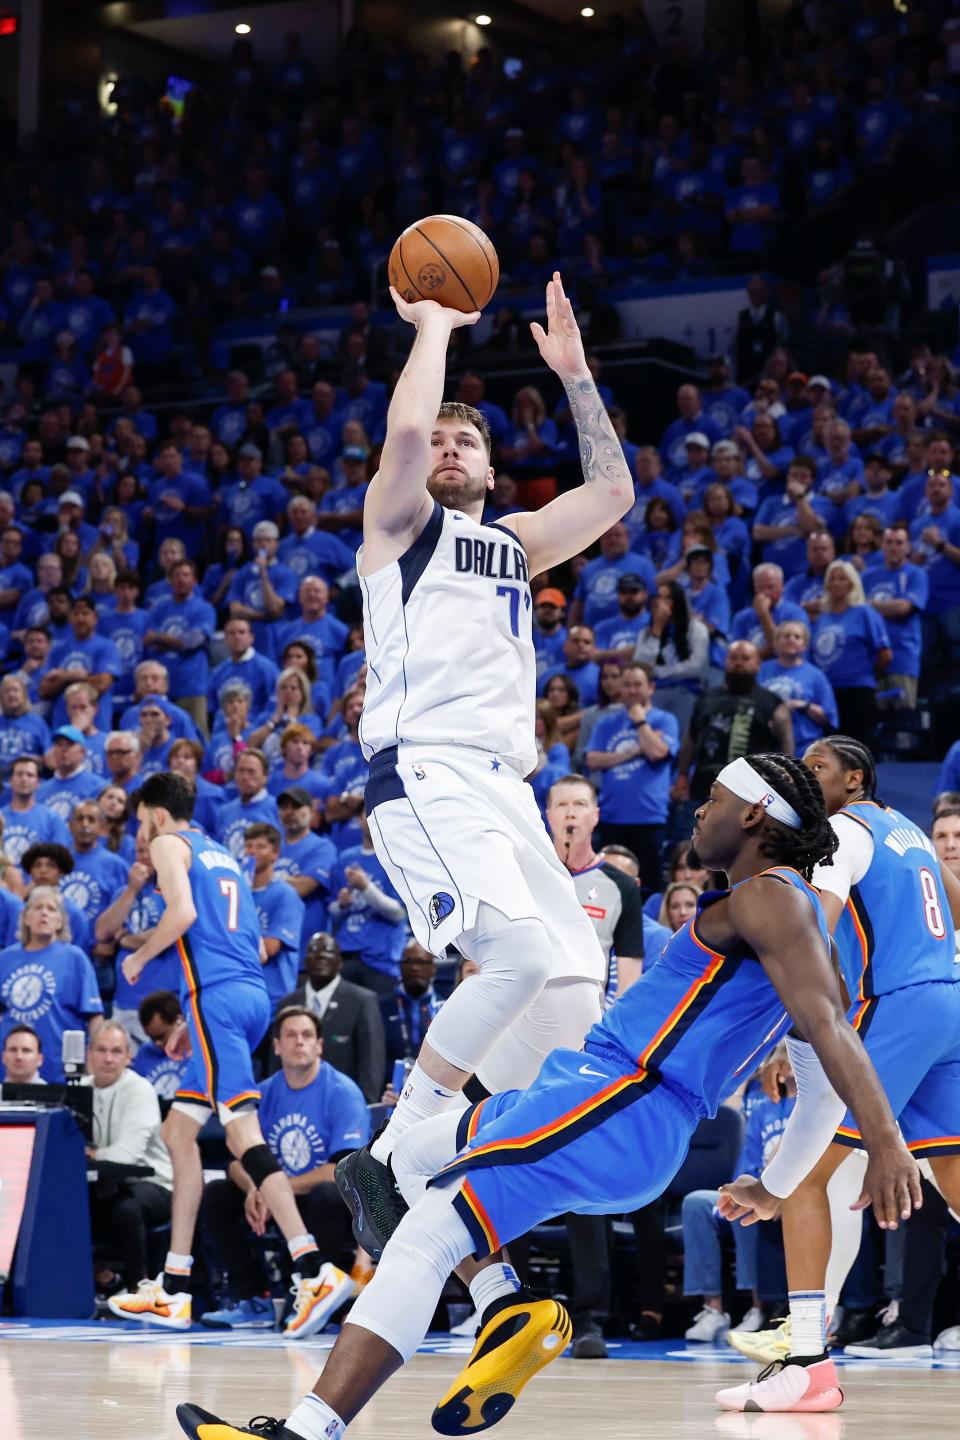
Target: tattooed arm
575 519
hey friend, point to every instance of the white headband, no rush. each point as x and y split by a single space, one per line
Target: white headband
741 778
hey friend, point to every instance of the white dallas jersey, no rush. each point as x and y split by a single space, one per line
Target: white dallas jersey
450 656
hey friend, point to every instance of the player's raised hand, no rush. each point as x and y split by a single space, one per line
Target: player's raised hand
560 344
891 1185
748 1201
418 312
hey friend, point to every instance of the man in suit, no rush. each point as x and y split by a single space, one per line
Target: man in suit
353 1039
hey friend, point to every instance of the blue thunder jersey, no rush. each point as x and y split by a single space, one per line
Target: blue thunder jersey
222 945
449 643
699 1018
896 928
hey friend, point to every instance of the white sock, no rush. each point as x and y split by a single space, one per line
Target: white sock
808 1315
420 1098
314 1419
301 1245
492 1283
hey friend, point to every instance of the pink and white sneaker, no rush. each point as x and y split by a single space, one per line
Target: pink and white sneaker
787 1387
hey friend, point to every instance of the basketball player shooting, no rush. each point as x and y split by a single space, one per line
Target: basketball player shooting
448 729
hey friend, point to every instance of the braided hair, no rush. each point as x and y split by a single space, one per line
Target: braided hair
854 755
815 842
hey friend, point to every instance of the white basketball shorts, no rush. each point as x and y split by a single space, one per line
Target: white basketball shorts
454 826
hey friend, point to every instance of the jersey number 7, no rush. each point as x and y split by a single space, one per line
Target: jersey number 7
231 889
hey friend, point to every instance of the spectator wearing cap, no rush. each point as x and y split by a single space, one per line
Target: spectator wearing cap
631 747
799 425
70 511
898 590
252 497
243 663
549 631
705 598
308 551
94 657
264 591
178 500
155 737
254 803
692 418
179 630
727 470
803 688
616 638
324 634
71 781
368 917
757 621
723 402
577 665
279 910
26 823
595 597
783 522
341 509
695 473
306 861
15 577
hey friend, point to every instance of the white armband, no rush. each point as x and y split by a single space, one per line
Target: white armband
811 1127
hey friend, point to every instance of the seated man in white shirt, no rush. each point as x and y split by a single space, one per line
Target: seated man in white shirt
126 1130
22 1057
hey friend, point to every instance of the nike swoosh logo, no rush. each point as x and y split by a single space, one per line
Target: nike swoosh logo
585 1070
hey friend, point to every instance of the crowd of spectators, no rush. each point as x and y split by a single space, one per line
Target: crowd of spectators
178 586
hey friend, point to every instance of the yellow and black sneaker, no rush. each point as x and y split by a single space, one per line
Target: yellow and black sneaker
518 1337
201 1425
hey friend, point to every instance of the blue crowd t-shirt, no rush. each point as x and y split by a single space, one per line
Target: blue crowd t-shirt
845 646
904 582
316 857
312 1126
360 928
52 989
802 682
280 911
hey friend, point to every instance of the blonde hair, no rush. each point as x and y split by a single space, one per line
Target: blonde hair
531 393
668 894
856 596
551 727
291 672
43 892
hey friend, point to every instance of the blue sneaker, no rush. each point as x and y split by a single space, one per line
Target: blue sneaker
255 1314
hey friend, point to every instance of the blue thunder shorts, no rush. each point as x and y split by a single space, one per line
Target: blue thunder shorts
588 1136
913 1038
226 1024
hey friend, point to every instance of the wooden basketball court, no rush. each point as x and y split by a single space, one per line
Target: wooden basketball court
105 1382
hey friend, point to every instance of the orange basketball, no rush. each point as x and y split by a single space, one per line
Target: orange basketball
447 259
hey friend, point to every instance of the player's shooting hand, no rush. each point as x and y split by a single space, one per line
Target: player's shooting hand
560 344
419 312
748 1201
256 1212
891 1184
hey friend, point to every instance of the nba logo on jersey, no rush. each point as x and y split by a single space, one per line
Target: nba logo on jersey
441 905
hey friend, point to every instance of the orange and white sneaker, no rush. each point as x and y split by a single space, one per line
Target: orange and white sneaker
151 1304
316 1299
787 1387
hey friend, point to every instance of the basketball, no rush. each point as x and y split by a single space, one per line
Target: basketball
447 259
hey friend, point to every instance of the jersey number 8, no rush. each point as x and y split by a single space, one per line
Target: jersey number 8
932 911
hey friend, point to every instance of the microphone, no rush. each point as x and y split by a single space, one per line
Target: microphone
73 1054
